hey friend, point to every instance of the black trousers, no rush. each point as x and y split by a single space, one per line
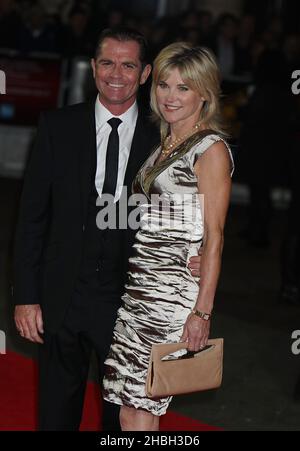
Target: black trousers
64 359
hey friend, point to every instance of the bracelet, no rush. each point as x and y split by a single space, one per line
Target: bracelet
202 315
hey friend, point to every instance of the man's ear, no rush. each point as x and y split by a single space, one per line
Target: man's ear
145 74
93 64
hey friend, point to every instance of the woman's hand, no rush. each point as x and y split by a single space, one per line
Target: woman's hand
195 264
195 332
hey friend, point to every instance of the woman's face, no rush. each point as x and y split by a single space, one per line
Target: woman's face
177 102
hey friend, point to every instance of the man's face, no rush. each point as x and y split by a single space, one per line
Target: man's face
118 74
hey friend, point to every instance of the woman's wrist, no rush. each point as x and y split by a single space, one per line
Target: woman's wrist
204 306
202 314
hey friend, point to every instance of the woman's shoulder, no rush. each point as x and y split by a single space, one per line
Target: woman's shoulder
208 142
210 137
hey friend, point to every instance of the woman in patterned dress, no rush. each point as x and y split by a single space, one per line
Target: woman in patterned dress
190 172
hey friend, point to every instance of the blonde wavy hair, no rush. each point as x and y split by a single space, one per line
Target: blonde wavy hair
199 70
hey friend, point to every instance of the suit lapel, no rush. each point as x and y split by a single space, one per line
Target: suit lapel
87 155
138 153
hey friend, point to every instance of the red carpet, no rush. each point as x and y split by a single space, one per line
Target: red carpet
18 381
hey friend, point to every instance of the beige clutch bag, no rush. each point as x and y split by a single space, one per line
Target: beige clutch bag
170 373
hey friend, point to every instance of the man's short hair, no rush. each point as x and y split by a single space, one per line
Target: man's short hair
124 35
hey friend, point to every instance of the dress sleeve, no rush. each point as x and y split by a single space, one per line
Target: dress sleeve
205 144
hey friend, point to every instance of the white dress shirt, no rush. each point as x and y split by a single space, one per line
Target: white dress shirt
125 131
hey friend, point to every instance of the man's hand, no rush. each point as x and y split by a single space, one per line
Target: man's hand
29 322
195 263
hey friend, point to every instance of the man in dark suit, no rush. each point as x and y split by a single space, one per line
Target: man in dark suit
69 274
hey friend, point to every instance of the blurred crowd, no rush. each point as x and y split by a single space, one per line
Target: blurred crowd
70 27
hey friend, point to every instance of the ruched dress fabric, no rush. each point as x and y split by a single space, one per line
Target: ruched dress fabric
161 291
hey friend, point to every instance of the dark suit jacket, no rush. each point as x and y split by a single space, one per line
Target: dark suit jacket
53 210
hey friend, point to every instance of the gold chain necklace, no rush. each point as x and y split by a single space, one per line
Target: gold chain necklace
168 148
